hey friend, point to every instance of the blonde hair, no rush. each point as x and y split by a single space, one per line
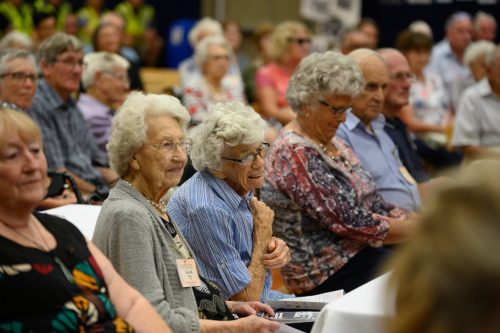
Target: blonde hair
447 277
283 38
12 121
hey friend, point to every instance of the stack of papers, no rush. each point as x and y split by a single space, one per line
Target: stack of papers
316 302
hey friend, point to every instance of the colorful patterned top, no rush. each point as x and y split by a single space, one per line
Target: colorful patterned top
323 212
35 295
275 77
429 100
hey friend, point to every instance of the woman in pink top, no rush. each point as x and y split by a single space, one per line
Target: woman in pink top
291 42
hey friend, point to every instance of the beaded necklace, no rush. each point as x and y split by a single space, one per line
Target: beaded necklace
154 204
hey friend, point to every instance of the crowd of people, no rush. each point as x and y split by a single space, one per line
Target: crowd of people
319 164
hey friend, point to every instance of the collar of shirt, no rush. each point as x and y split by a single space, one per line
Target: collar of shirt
12 106
225 191
351 121
52 97
395 123
96 105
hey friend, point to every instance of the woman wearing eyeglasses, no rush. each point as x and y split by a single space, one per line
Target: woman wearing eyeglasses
213 54
229 230
326 204
147 148
291 42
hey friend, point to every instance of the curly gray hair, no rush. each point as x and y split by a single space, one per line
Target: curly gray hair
478 49
129 129
101 62
201 49
232 124
320 75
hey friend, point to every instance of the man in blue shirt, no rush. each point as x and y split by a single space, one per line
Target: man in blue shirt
364 132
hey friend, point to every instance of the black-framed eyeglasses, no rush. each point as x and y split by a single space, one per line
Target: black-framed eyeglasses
337 112
70 63
20 77
170 145
120 76
301 41
400 77
250 159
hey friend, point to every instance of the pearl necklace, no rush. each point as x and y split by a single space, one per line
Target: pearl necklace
154 204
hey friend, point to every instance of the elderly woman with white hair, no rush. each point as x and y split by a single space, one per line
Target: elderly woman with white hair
147 149
213 55
327 206
475 57
16 39
229 230
106 84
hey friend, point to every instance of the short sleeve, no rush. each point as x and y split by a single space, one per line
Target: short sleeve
467 130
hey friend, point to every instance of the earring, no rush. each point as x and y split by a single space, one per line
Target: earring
307 115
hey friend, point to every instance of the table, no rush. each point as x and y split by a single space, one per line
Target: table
362 310
84 217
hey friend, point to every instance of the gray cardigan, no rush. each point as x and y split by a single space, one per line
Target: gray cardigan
131 234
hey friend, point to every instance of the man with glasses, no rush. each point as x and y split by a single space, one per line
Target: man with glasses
364 132
106 84
396 97
68 143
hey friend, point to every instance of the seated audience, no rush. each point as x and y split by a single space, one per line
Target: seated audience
290 43
364 133
421 27
69 144
140 29
44 27
107 38
88 20
232 32
446 278
396 98
475 56
60 8
106 82
17 40
447 57
354 39
19 14
229 230
213 54
18 81
189 69
327 206
147 148
485 27
262 40
52 278
371 29
477 127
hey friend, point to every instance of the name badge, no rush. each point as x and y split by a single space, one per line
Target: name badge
188 273
407 175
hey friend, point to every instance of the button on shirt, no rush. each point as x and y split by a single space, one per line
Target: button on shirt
455 75
378 154
67 141
218 225
478 118
99 117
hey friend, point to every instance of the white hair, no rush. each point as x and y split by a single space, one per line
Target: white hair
478 49
101 62
16 36
129 129
10 54
201 49
480 15
208 26
232 124
422 27
320 75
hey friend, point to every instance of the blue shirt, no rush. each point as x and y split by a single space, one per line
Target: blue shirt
218 225
378 154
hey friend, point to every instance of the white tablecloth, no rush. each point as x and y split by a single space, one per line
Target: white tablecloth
84 217
362 310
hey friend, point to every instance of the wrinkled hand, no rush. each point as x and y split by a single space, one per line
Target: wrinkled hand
245 309
254 324
263 218
279 254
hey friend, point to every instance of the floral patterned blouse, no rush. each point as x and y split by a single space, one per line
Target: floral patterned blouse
323 212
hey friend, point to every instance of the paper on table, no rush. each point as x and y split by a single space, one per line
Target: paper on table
316 302
84 217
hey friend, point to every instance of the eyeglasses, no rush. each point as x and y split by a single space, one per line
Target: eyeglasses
70 63
250 159
170 145
20 77
400 77
301 41
120 76
220 57
337 112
